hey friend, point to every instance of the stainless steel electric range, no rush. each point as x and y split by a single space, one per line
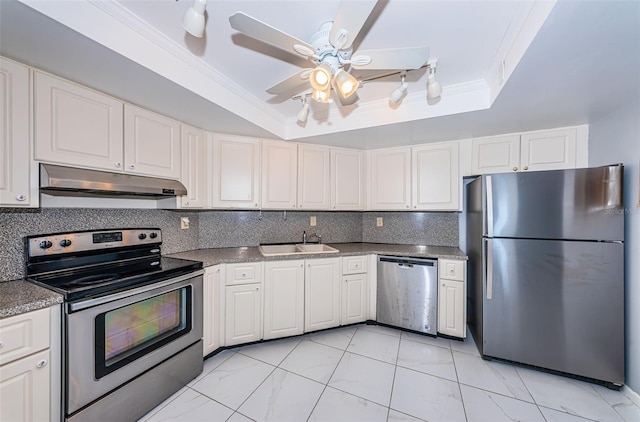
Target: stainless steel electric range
132 319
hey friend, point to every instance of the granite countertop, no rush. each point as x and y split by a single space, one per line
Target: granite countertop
216 256
20 296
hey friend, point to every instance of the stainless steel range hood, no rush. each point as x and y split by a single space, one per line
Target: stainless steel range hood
68 180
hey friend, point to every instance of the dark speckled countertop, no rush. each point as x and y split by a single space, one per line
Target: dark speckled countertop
247 254
20 296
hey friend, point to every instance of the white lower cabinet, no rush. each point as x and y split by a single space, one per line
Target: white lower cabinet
29 376
354 290
283 298
243 303
321 293
211 308
243 311
452 312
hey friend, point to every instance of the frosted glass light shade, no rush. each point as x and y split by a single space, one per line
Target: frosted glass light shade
320 77
345 83
193 19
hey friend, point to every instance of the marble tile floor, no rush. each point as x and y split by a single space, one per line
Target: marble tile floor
373 373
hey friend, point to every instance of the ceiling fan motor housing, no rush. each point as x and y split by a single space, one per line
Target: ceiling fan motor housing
324 49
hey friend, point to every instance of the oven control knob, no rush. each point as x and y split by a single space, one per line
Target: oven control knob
142 236
45 244
153 235
65 242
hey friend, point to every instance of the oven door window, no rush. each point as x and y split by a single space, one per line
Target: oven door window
130 332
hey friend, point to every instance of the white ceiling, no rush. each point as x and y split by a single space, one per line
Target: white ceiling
565 64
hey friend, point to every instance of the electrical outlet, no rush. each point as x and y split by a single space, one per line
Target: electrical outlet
379 222
184 223
312 221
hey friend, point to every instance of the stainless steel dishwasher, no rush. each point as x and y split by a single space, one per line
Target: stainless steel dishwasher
408 293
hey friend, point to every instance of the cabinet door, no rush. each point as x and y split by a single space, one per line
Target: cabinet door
211 309
283 298
354 298
24 389
15 137
151 143
279 175
243 314
548 150
194 168
313 177
321 294
436 177
390 181
347 179
497 154
77 126
236 172
451 310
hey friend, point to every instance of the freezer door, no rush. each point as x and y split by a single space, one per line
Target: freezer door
580 204
557 305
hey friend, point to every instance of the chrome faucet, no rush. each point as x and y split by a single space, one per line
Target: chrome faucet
305 239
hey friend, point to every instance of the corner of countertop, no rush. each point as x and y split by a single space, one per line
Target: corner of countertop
21 296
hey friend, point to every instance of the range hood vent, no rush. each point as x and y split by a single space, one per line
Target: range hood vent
68 180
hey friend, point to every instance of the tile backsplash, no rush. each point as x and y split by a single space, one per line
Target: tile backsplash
218 229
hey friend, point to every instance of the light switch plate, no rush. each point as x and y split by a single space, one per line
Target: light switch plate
312 221
379 222
184 223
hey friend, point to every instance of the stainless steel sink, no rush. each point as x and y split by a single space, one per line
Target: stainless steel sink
296 249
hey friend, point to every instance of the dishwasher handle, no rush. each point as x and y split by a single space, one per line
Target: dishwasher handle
407 262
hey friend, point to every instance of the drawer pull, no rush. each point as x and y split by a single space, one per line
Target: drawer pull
41 364
1 343
21 197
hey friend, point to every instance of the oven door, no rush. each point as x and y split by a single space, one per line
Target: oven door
112 339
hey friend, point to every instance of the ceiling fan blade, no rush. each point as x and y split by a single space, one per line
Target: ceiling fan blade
394 58
351 17
291 84
267 33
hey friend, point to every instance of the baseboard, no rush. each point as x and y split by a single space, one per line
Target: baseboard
632 395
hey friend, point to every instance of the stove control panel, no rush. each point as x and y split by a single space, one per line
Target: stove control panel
62 243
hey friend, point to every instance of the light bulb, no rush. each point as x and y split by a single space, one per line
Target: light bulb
320 77
321 96
345 83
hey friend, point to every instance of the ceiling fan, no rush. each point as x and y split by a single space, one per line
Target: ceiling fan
330 53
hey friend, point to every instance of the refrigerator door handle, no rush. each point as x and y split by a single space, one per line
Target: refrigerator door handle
489 214
489 266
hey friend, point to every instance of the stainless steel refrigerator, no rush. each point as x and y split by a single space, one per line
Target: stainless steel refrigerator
546 269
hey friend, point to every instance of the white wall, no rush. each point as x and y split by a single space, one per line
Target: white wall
615 138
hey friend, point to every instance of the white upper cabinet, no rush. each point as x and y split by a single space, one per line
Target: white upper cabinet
548 150
553 149
390 179
236 172
313 177
151 143
496 154
347 179
16 175
195 168
436 177
77 126
279 175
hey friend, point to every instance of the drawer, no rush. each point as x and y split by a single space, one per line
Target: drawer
23 335
244 273
452 269
354 264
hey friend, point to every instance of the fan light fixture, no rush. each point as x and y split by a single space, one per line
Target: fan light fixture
320 77
434 89
193 19
399 93
303 114
321 96
345 83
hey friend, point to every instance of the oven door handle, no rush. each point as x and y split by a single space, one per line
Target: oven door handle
89 303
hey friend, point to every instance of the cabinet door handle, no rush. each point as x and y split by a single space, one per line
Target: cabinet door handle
408 206
21 197
41 364
118 165
131 167
1 343
525 168
515 169
257 289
